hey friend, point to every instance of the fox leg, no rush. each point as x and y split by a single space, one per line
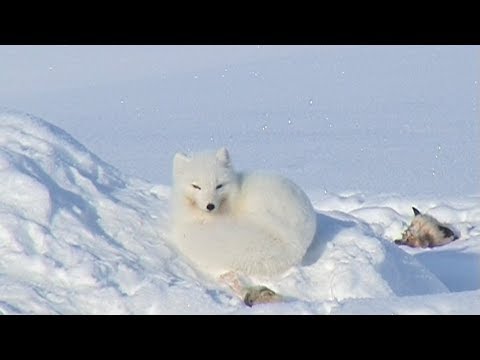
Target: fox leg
233 280
260 295
251 295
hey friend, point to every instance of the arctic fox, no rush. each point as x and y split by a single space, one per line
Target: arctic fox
426 231
234 225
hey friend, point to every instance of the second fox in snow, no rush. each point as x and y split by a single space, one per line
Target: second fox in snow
425 231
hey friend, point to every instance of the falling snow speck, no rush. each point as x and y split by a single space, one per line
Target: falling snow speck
310 102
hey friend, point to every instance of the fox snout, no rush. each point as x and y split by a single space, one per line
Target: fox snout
210 207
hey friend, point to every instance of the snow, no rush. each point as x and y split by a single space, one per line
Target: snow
410 110
368 132
77 236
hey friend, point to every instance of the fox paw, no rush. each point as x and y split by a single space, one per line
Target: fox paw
260 295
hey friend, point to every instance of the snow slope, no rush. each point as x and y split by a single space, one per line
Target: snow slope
79 237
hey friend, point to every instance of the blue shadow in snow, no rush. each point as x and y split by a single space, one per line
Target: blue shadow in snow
459 271
327 228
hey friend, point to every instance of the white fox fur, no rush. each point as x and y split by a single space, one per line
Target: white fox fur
255 224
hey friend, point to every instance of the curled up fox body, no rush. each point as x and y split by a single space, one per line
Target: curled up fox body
233 226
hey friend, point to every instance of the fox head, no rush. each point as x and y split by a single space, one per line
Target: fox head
205 180
425 231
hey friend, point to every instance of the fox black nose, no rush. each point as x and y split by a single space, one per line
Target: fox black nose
210 207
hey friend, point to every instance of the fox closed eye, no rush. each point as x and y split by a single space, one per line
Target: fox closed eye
219 186
196 187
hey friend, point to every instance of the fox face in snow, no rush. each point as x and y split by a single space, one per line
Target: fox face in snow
425 231
206 180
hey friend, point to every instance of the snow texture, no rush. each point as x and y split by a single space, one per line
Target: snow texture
78 237
367 132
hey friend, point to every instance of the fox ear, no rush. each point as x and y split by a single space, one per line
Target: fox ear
415 211
223 156
179 161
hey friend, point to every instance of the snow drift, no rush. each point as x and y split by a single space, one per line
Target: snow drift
78 237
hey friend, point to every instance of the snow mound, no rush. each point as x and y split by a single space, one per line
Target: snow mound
347 260
78 237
